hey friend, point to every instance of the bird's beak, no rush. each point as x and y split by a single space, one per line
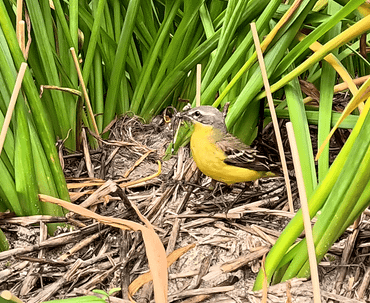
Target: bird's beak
182 116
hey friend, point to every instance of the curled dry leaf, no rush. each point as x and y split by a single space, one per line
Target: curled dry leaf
147 277
154 249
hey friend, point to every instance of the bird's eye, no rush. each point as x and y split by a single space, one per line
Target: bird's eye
197 113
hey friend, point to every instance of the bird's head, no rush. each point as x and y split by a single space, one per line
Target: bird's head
206 115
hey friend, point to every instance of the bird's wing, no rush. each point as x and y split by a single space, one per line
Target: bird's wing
240 155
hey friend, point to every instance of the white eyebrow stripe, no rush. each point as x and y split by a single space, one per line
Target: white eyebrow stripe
208 114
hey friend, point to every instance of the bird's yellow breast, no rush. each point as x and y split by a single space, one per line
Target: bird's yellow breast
210 158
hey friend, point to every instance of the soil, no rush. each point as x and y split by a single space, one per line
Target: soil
229 225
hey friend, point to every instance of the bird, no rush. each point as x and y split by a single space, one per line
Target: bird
220 155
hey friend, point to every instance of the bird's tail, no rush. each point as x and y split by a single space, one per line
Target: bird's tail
274 171
269 174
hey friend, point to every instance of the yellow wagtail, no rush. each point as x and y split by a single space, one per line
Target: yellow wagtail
220 155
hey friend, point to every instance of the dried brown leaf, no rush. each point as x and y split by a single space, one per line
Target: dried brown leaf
154 248
147 277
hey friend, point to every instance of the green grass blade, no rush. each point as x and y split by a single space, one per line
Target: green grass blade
347 203
191 10
120 62
41 119
209 91
337 195
25 176
232 19
298 118
354 31
179 73
313 118
315 35
47 59
254 85
317 200
4 244
328 78
154 52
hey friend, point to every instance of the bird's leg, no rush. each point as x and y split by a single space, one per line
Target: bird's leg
217 186
255 184
238 197
223 190
223 200
214 186
225 109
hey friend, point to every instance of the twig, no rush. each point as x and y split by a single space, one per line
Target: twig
21 37
89 165
82 244
19 26
84 90
347 252
18 267
306 214
174 235
200 298
29 38
13 100
198 84
273 115
128 184
7 295
107 188
25 221
124 270
159 202
62 89
365 284
262 234
342 86
52 242
32 275
45 261
51 289
200 291
235 264
142 158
